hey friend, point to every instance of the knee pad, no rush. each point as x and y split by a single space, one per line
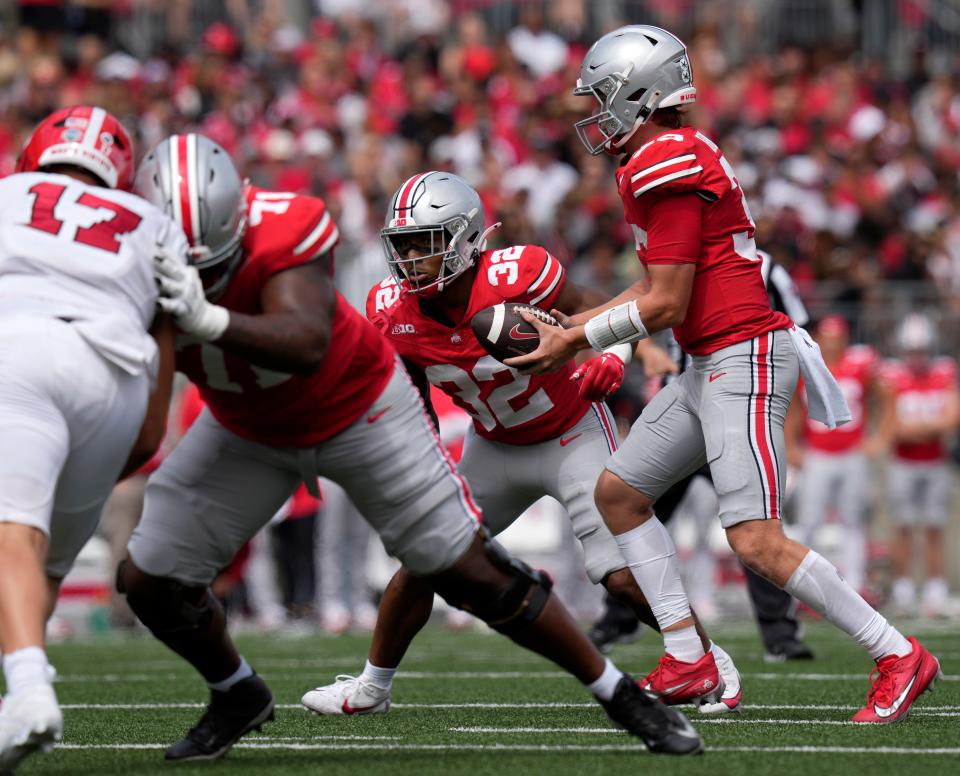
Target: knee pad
519 603
164 605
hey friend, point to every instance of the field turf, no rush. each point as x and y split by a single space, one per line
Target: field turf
472 703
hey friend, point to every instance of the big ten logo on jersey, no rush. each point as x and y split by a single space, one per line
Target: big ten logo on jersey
403 328
230 376
504 263
90 219
388 292
494 394
274 202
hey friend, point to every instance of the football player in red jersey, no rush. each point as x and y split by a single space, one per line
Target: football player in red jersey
924 412
835 462
694 236
298 385
532 436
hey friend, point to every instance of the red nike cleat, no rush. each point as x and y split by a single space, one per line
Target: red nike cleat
674 681
896 683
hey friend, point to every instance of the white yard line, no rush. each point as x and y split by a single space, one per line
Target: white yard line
939 711
462 747
762 676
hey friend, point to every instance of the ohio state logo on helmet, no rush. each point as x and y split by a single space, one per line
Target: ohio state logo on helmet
83 136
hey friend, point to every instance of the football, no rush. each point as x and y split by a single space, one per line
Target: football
503 333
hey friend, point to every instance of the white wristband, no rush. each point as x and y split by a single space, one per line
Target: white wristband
617 325
623 351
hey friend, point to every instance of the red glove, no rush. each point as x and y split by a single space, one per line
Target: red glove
599 376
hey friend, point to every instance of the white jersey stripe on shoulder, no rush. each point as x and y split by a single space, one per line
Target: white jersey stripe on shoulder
543 275
314 235
329 242
661 165
709 143
549 289
92 133
666 179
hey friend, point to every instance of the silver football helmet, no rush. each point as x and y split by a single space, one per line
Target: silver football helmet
443 214
193 180
632 72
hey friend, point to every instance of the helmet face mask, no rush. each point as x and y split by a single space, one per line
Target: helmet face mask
438 218
631 72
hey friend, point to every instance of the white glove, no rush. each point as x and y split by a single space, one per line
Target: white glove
181 295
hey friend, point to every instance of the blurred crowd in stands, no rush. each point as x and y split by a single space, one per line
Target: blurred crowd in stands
841 119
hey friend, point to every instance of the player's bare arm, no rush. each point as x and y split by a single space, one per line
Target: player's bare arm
155 422
664 306
292 333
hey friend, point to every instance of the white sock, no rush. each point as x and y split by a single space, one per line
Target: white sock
25 667
817 584
652 557
605 686
243 672
381 677
684 644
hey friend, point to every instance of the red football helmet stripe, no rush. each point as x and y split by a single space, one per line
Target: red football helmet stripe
183 176
406 193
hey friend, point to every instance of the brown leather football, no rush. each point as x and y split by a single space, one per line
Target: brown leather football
502 331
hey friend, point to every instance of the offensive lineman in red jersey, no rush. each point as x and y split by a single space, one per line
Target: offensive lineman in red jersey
532 435
298 385
695 237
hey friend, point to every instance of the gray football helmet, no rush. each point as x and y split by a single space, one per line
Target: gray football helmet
632 72
444 214
194 181
917 334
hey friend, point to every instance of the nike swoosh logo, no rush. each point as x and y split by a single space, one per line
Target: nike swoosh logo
716 376
568 440
348 709
377 415
895 706
515 333
672 690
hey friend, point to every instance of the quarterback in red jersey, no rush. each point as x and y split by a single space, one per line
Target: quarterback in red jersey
834 463
532 436
298 385
924 411
694 235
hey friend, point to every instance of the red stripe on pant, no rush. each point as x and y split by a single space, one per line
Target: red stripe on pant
760 409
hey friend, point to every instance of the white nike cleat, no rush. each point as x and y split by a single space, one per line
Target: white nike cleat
732 689
348 695
30 720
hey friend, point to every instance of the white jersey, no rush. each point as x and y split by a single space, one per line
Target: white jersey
84 254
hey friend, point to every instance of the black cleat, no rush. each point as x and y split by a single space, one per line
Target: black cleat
229 716
618 625
788 649
663 729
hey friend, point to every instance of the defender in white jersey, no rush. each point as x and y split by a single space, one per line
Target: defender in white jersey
85 375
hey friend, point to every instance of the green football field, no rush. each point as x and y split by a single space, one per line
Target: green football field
473 703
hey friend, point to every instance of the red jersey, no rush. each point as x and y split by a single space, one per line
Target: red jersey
853 372
505 405
921 397
275 408
728 303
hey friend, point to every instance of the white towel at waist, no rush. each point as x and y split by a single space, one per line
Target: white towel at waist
825 401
